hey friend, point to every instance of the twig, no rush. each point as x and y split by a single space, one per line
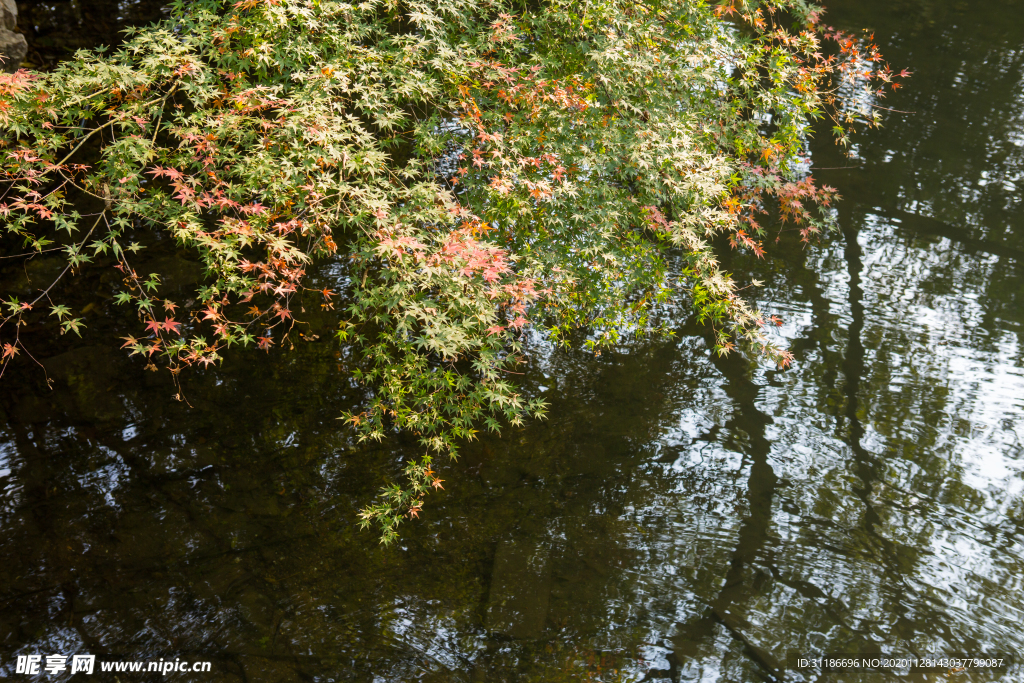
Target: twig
160 117
64 272
84 139
32 253
898 111
109 123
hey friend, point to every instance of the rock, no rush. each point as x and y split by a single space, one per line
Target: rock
8 15
13 46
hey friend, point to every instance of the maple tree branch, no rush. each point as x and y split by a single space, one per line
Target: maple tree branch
160 118
68 267
83 141
109 123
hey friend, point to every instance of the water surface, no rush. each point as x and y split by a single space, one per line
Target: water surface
678 516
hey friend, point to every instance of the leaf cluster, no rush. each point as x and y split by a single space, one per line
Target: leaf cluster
477 167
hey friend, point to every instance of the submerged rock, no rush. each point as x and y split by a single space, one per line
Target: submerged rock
92 375
520 589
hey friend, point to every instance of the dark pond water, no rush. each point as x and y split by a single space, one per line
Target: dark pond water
678 516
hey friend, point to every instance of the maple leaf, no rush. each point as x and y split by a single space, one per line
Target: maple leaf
10 351
129 341
254 311
184 194
284 289
210 313
169 306
253 209
436 483
154 326
171 326
283 313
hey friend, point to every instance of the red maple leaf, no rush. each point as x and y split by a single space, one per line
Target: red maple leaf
171 326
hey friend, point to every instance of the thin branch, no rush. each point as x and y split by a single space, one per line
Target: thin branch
32 253
160 117
898 111
68 267
106 200
83 141
109 123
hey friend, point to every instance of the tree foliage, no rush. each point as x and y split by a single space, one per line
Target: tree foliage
478 167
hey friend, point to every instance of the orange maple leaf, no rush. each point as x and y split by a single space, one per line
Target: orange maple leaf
10 351
171 326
